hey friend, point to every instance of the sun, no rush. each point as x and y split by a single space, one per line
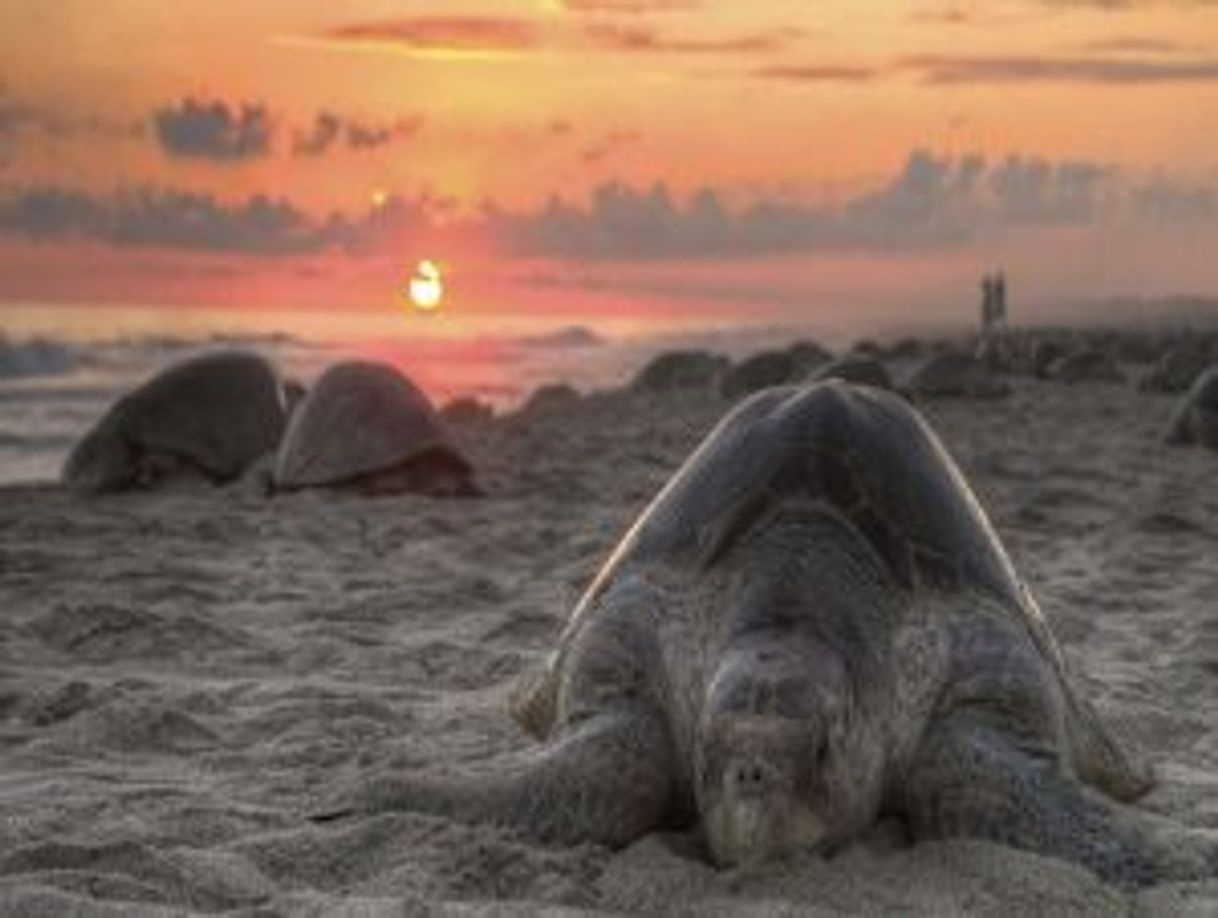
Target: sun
426 286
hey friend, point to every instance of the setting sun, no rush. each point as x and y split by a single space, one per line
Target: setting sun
426 288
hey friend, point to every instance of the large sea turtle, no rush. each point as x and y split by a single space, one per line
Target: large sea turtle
813 624
365 427
1196 417
209 417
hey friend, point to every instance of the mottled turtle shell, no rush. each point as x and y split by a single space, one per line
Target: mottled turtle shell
216 412
359 419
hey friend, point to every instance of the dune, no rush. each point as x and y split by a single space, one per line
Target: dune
185 675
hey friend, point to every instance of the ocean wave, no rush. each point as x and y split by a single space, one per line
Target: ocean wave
36 357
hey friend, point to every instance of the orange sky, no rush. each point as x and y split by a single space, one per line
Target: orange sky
819 109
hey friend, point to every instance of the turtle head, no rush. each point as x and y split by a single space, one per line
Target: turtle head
777 768
102 461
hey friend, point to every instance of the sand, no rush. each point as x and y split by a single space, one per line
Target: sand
183 676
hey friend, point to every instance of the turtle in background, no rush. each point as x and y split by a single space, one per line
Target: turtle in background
773 368
812 625
1195 421
364 427
1086 364
209 417
860 370
955 375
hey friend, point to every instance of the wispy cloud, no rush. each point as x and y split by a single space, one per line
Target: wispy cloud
608 145
819 73
628 6
330 129
1016 69
443 34
612 37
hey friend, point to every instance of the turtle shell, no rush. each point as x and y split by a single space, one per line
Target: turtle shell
218 412
359 419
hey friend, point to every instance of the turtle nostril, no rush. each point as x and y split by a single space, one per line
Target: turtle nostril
747 776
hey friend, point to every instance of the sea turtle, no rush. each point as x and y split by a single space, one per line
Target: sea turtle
1196 417
679 370
210 416
1086 364
811 625
1178 368
865 371
957 375
773 368
365 427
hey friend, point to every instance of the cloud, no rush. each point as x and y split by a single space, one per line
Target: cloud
444 33
945 69
629 6
186 220
931 201
211 130
609 145
18 116
818 73
329 129
1135 45
610 37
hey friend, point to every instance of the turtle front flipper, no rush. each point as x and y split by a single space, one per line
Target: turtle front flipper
608 779
973 780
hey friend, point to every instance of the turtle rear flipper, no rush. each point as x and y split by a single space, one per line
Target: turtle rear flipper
973 780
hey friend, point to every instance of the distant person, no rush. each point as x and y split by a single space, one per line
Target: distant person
987 305
999 287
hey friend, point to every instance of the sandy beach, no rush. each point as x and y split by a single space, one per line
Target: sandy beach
184 676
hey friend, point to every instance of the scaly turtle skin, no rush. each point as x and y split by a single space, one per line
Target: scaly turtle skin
210 416
813 624
1195 421
365 427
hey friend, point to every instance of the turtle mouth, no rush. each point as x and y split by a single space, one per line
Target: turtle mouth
745 832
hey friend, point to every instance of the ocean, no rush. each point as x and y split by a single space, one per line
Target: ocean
61 367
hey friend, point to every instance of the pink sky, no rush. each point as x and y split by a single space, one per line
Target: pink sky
607 158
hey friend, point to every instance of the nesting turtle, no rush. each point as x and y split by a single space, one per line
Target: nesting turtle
1195 421
773 368
955 375
208 417
364 427
811 625
680 370
1177 368
865 371
1086 364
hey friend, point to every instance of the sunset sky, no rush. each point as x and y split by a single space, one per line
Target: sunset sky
606 157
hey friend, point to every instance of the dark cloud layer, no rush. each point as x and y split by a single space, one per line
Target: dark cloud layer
212 130
931 201
185 220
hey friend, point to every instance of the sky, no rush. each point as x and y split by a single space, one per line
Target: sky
615 159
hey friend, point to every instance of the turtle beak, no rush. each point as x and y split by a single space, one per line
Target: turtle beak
757 816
